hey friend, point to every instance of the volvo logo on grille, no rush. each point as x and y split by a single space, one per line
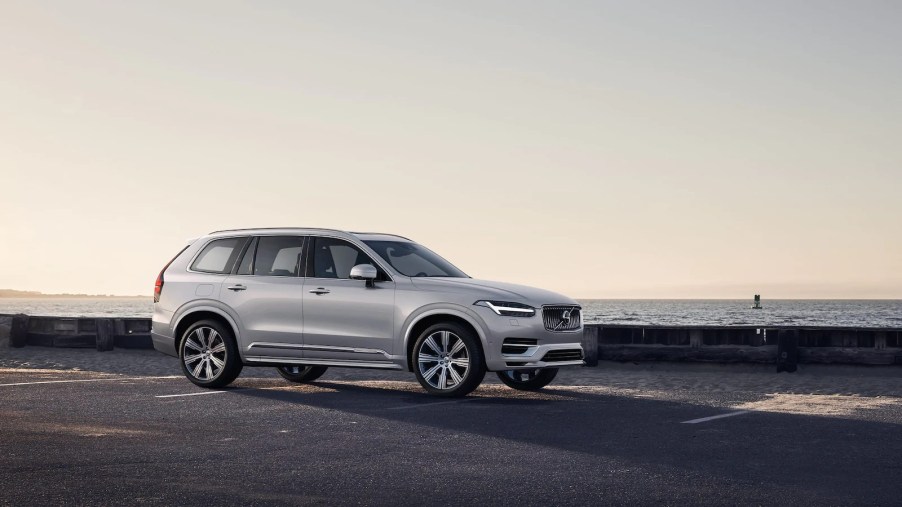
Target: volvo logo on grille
564 319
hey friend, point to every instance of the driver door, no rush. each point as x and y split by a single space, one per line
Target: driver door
344 320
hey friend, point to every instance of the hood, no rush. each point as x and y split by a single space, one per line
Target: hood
500 291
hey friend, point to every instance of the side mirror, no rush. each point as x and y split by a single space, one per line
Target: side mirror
365 272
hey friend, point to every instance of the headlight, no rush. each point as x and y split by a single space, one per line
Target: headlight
508 309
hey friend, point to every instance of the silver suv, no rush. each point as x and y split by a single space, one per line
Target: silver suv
306 299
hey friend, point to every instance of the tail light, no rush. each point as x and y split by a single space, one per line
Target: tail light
158 285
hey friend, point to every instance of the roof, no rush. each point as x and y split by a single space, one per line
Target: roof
312 230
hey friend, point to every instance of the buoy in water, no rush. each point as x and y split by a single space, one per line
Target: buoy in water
757 305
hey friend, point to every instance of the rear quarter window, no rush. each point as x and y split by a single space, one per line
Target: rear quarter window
218 256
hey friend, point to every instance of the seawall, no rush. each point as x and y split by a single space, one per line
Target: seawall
724 344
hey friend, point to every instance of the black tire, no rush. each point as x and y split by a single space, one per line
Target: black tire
207 347
300 373
449 365
528 380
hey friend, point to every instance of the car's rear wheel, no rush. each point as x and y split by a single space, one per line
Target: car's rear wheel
208 354
448 361
301 373
528 380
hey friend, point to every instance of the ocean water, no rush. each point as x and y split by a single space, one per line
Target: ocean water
852 313
721 312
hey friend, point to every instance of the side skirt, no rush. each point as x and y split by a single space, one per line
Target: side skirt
280 361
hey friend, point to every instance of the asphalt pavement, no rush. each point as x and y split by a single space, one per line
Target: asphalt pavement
616 434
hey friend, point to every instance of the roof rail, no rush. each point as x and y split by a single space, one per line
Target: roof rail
275 228
308 229
382 234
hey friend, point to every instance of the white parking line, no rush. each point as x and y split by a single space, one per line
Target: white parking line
430 404
85 380
713 417
192 394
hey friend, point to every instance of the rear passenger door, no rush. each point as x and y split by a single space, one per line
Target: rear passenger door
266 294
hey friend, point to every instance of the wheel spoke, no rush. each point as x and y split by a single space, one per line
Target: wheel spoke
432 345
200 335
431 372
446 336
198 368
209 370
455 376
193 357
426 358
219 348
458 346
219 363
463 362
193 344
443 379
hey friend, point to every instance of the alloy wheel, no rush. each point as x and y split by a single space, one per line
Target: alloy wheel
444 360
205 353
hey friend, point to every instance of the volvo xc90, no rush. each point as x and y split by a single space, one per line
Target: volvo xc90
303 300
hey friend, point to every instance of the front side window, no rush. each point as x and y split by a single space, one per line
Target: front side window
219 256
334 258
411 259
278 256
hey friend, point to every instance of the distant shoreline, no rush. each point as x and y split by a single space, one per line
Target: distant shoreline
25 294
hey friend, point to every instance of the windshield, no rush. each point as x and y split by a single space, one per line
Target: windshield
411 259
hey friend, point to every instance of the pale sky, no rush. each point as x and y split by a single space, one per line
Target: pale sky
600 149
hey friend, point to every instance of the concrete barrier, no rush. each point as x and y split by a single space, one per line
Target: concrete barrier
79 332
814 344
5 324
723 344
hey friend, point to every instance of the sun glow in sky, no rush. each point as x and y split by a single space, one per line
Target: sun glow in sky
600 149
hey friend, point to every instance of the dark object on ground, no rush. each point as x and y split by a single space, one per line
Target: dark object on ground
18 331
105 336
787 350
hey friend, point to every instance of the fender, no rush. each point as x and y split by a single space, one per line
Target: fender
444 309
212 306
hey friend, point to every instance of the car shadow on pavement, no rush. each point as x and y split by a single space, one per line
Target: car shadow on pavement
783 452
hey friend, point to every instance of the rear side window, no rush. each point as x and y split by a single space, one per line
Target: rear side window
219 256
279 256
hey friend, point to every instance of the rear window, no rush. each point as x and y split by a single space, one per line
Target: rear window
218 256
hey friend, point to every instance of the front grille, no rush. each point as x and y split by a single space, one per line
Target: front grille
554 356
554 317
517 345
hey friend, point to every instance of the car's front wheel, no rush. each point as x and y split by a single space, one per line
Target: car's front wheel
448 361
301 373
208 354
528 380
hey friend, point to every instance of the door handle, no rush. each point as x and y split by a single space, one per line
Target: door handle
320 291
236 288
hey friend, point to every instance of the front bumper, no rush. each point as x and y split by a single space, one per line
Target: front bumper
499 328
538 356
